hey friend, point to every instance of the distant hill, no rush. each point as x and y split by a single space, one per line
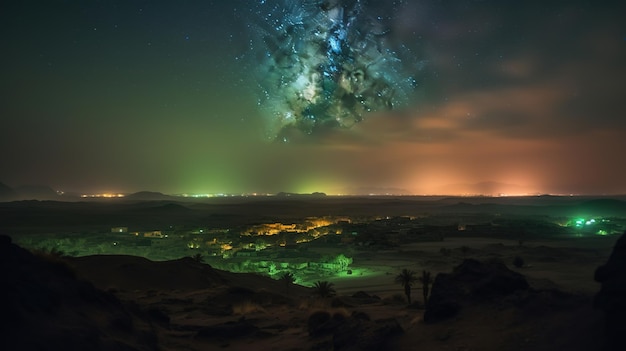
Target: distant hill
375 191
36 192
7 193
315 194
149 196
482 188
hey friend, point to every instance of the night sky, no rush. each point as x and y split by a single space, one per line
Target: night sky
183 96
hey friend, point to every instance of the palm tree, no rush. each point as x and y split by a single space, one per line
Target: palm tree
287 278
324 289
426 280
406 278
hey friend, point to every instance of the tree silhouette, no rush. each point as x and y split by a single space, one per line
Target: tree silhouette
342 261
406 278
324 289
287 278
198 258
426 280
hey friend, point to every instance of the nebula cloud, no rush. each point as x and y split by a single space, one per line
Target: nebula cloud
323 65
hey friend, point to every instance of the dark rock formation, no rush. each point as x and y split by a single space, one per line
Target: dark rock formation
45 307
612 295
36 192
319 323
471 282
356 332
360 334
130 273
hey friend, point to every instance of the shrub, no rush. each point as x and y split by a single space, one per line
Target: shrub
198 258
324 289
288 278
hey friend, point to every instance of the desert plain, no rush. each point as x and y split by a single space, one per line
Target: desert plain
197 298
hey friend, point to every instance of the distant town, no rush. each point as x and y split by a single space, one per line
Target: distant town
307 235
308 246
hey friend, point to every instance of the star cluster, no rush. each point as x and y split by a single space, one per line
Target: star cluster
427 97
326 64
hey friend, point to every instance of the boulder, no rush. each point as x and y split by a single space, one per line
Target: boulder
363 335
356 332
471 282
612 295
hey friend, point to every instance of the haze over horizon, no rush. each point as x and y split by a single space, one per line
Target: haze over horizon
117 96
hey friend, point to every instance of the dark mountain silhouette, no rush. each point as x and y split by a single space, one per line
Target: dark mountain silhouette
612 295
315 194
36 192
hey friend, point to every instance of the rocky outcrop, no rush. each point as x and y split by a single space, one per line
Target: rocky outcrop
471 282
45 307
612 295
355 332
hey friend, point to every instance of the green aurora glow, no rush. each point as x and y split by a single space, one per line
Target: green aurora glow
154 95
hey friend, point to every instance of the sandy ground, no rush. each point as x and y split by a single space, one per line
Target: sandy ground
567 265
